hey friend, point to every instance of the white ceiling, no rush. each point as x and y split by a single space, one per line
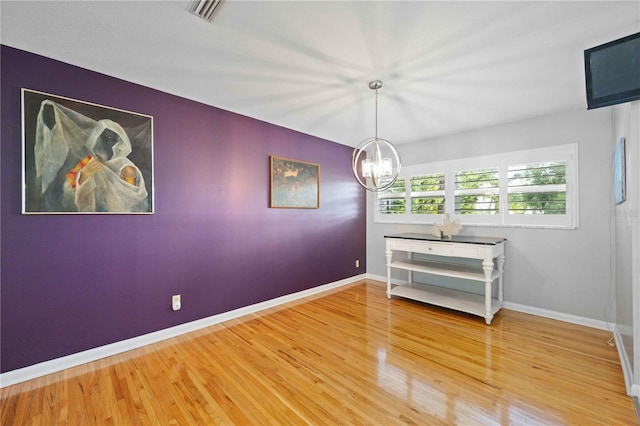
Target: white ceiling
447 66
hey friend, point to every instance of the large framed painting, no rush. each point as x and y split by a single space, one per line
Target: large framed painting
294 184
80 157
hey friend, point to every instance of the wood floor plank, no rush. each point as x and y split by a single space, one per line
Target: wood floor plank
348 356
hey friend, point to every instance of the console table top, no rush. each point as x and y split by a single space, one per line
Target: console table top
468 239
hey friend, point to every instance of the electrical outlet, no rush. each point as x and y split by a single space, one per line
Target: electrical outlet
176 303
357 263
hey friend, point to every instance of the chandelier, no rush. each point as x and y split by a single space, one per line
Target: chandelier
375 162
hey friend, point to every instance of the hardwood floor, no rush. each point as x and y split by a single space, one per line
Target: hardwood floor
349 356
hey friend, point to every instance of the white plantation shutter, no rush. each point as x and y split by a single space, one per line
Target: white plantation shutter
428 194
533 188
537 188
393 200
477 191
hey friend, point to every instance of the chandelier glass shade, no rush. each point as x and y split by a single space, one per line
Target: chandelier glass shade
376 162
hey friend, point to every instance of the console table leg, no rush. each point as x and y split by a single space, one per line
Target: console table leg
500 285
388 254
487 267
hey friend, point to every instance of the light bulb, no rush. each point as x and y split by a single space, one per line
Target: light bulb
366 168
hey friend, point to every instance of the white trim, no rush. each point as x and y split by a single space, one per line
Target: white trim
627 370
73 360
560 316
384 279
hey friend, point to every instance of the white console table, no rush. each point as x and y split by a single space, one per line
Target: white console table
485 249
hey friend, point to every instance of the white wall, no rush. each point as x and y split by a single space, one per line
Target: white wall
566 271
626 123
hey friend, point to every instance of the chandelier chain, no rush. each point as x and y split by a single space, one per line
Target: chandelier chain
376 121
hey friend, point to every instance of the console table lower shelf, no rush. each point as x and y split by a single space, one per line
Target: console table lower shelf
446 298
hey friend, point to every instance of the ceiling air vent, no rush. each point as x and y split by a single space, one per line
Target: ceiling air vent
204 8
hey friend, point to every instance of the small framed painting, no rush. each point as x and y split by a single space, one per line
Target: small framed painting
294 184
619 173
80 157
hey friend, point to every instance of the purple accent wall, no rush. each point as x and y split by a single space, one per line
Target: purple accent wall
75 282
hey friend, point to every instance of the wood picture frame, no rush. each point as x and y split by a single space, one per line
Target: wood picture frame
294 184
84 158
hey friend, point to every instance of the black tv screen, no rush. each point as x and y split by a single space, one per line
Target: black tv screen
612 72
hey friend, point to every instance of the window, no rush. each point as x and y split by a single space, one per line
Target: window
537 187
427 194
477 191
393 200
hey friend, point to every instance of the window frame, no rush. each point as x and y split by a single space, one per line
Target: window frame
567 153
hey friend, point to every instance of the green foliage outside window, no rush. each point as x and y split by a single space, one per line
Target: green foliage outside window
477 179
477 192
392 200
423 199
477 204
427 205
528 194
536 188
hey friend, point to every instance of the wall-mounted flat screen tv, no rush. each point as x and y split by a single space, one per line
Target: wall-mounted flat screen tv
612 72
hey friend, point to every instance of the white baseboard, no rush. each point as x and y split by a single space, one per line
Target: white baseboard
574 319
384 279
627 369
59 364
560 316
